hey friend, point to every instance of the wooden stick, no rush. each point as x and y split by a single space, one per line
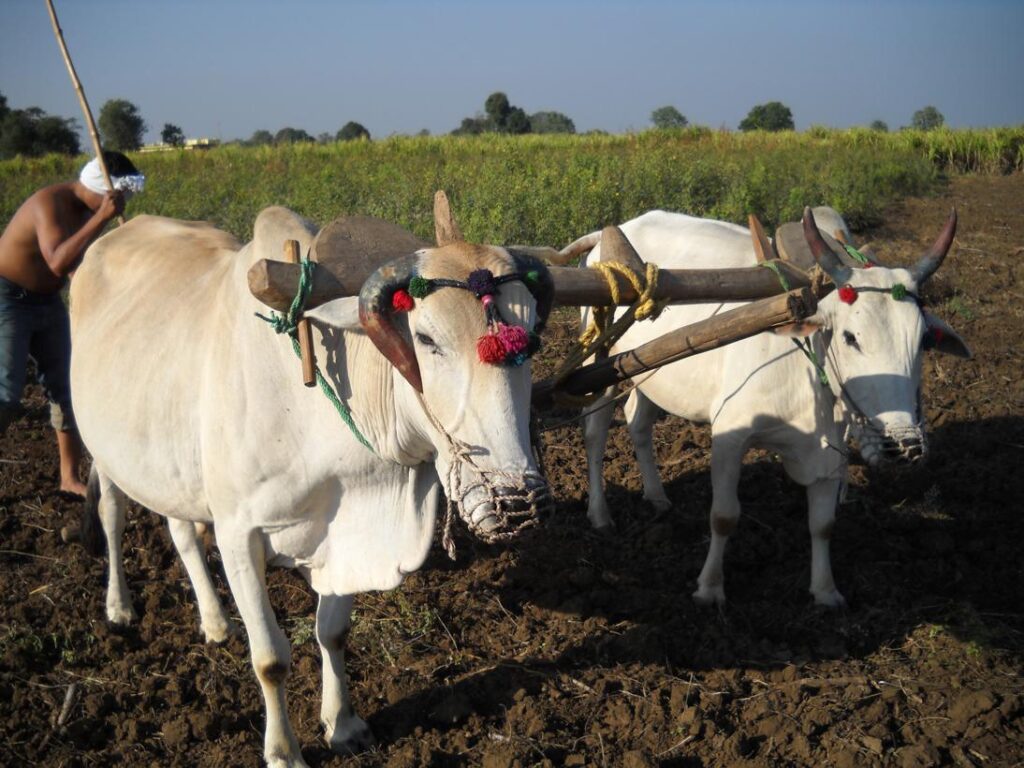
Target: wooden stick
716 331
305 333
274 283
90 124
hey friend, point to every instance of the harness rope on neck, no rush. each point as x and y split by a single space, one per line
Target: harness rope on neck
289 322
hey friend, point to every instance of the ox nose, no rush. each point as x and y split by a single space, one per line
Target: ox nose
905 451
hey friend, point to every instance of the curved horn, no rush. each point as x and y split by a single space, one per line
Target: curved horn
375 316
826 259
446 230
543 289
934 256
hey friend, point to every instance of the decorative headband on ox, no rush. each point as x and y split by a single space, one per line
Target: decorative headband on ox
503 344
396 285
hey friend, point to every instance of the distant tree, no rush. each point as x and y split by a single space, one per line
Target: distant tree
121 125
927 119
3 106
31 133
497 108
352 130
879 125
289 135
517 122
472 126
551 122
260 137
668 117
772 116
173 135
423 132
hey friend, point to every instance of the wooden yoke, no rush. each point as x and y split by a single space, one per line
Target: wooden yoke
305 333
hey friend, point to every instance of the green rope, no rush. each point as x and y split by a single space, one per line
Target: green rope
805 348
289 322
856 255
778 273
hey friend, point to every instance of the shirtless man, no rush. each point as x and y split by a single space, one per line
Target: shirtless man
40 248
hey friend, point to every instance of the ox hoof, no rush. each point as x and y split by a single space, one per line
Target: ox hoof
216 633
829 599
286 762
120 615
710 596
354 738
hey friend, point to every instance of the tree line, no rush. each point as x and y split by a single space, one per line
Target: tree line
30 132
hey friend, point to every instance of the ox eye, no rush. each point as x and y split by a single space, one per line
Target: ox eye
850 340
426 341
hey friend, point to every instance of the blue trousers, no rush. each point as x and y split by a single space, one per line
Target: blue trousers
34 326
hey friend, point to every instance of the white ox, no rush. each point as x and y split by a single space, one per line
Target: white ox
765 392
195 408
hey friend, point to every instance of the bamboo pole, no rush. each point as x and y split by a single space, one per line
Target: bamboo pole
80 92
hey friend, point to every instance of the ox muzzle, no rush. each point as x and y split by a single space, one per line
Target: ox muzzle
896 446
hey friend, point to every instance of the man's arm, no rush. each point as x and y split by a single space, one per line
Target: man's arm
63 254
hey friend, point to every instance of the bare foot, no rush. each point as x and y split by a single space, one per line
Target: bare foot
73 486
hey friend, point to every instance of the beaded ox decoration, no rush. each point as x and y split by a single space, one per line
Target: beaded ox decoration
503 344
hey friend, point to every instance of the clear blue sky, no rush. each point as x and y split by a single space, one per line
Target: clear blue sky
223 68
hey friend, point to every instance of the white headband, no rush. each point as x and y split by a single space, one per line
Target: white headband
92 178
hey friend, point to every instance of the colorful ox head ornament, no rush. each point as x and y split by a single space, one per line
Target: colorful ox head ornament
436 315
875 330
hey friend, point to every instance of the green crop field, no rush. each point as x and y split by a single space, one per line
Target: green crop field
550 189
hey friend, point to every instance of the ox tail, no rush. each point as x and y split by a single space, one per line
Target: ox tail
91 531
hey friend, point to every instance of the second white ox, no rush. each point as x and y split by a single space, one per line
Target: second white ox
193 407
766 392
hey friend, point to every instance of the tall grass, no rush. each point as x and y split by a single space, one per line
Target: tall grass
549 189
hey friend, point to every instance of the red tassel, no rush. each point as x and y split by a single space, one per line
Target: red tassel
848 294
401 301
490 349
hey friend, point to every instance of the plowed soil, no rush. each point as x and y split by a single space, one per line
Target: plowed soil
570 648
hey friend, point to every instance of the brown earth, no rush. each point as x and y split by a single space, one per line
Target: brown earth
576 649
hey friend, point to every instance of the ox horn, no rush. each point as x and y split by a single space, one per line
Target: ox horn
824 255
446 231
935 255
376 319
543 289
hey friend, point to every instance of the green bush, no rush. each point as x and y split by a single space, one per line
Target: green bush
547 189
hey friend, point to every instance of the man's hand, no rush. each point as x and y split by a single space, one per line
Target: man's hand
112 205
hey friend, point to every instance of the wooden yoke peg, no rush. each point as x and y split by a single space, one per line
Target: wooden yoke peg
305 332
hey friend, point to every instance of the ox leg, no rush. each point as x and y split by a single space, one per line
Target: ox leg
112 506
245 565
822 497
345 732
641 414
726 461
595 437
213 620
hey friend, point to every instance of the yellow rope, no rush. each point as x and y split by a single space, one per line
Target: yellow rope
645 305
602 333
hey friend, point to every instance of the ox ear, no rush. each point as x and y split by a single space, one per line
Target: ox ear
342 314
942 338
